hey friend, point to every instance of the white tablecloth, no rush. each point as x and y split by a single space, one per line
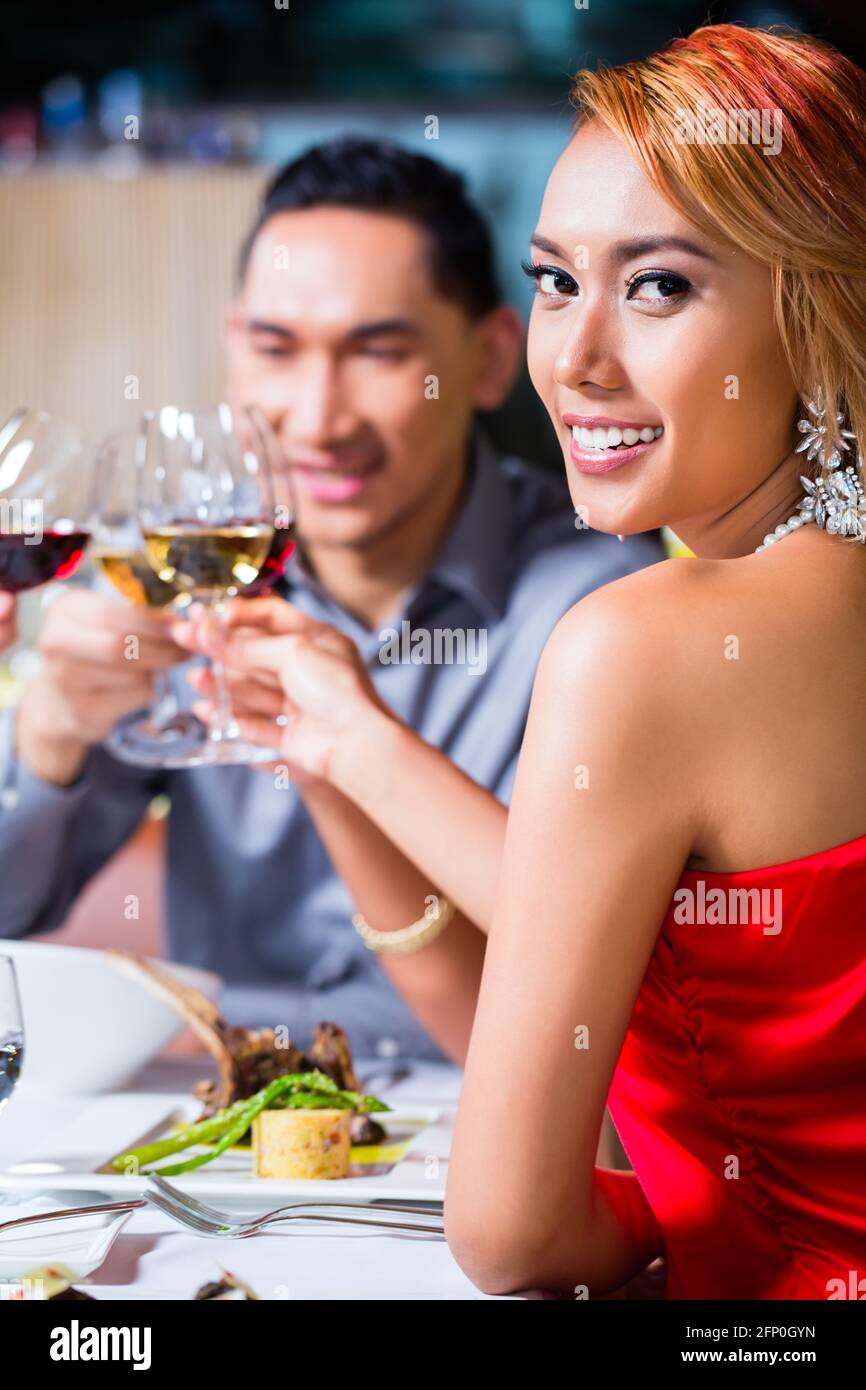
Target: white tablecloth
155 1259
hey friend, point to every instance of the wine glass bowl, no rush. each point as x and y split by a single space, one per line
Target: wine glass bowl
152 737
207 514
45 500
206 501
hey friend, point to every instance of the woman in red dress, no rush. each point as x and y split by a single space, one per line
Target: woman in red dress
680 928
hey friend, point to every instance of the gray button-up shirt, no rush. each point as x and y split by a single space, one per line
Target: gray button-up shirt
251 892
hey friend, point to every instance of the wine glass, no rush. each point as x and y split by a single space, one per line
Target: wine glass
150 737
11 1030
207 513
45 500
46 496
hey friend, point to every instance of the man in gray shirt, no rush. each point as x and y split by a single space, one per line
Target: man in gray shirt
369 329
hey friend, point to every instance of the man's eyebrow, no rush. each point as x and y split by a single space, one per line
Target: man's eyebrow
630 250
262 326
381 326
361 331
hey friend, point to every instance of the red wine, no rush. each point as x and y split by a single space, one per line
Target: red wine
25 563
273 564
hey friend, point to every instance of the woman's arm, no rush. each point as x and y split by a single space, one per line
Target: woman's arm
450 826
439 983
340 734
599 830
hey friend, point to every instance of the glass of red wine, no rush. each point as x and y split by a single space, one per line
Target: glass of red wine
45 500
46 497
212 530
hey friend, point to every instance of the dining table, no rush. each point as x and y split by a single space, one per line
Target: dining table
153 1258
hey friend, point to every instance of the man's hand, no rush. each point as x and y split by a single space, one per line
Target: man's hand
8 627
98 662
280 663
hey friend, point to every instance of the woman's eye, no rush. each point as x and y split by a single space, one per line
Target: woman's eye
657 287
550 280
555 282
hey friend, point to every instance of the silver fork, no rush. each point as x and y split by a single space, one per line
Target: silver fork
210 1221
198 1215
413 1206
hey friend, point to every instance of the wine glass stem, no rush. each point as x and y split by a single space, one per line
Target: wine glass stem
224 725
162 695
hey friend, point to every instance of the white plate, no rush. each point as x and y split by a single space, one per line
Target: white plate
79 1242
107 1125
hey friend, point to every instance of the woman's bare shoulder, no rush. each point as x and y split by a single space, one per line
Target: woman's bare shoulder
614 694
655 614
652 662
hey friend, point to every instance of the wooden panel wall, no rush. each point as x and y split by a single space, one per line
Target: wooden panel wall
102 278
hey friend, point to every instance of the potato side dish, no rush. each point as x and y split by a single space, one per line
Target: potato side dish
302 1144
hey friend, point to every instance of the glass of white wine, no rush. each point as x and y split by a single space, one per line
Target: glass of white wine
162 733
208 521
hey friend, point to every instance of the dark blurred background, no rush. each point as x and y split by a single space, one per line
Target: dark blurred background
242 85
504 51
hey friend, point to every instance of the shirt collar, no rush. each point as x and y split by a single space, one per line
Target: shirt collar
473 558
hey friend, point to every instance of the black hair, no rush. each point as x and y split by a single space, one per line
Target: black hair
378 176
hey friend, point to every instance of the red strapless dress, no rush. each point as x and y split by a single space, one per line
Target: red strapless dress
740 1091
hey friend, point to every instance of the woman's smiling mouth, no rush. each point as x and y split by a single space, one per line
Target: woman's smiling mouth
599 444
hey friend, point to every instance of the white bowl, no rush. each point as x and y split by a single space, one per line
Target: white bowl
89 1027
81 1243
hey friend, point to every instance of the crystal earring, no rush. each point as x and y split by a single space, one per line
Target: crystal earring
836 499
814 432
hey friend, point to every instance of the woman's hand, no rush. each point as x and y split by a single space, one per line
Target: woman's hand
8 628
282 665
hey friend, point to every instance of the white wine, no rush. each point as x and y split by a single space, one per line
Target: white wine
133 576
208 560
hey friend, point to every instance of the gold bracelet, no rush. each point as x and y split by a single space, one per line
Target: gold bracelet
437 915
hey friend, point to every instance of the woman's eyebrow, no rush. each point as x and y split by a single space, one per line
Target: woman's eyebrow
542 244
630 250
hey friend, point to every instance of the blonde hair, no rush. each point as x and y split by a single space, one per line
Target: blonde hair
801 211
